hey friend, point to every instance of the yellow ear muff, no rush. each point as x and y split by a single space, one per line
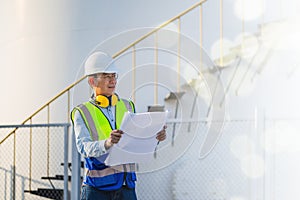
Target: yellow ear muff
104 102
114 100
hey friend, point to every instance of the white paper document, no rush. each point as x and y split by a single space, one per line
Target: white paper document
138 141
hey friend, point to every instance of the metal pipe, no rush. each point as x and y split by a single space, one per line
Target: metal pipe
48 142
133 72
69 107
66 150
34 125
156 69
30 154
75 181
14 170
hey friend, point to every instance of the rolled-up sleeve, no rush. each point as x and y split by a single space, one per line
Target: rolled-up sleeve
85 145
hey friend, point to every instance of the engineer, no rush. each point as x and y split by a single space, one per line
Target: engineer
96 124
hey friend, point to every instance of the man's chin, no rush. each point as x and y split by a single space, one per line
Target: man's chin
110 93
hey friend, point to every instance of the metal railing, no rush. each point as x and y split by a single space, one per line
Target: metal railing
37 144
154 32
46 105
132 45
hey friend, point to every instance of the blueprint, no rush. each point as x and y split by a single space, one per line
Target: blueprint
138 141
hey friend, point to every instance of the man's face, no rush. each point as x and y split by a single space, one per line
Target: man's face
105 83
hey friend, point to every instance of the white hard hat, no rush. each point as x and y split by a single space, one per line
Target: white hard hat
99 62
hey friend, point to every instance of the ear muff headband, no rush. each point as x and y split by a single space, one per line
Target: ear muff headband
104 101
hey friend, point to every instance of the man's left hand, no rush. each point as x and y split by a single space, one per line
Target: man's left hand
161 135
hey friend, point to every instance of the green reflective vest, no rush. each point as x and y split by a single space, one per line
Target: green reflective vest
97 123
99 175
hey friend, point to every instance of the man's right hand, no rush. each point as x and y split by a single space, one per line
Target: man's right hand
114 138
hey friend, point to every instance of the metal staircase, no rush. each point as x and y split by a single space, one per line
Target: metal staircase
55 193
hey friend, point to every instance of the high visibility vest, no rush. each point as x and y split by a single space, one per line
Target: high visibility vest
99 175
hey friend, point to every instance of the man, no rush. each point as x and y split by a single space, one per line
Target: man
96 125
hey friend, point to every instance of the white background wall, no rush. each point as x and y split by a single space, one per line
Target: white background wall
43 44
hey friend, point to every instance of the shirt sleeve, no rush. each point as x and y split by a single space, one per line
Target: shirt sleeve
85 145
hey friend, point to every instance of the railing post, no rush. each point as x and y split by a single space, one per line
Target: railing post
76 160
66 150
14 170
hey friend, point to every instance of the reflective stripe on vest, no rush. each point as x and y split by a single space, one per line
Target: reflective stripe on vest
90 121
111 170
128 105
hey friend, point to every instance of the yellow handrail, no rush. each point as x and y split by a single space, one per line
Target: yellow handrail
114 56
158 28
44 106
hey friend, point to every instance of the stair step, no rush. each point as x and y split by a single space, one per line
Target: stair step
56 177
156 108
57 194
70 164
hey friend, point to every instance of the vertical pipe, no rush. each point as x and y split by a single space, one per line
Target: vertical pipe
30 154
75 181
14 170
156 69
69 107
48 140
66 150
178 55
